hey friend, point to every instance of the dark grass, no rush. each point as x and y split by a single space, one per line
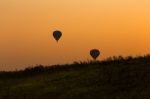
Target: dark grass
113 78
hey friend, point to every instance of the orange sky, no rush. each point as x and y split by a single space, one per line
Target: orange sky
116 27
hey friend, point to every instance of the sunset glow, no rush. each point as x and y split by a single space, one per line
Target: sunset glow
116 27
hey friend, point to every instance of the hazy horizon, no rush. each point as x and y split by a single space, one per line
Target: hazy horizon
115 27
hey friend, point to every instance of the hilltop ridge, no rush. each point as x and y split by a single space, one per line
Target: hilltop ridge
114 78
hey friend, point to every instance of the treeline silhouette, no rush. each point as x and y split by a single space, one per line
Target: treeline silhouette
38 69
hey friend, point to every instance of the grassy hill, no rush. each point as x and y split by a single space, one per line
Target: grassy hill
114 78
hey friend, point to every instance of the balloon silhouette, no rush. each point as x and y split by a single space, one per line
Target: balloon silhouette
94 53
57 35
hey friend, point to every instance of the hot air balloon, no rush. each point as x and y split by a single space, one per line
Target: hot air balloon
57 35
94 53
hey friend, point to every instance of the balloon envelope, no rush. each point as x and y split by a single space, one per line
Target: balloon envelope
57 35
95 53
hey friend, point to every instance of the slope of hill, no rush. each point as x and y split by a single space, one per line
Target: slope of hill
114 78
